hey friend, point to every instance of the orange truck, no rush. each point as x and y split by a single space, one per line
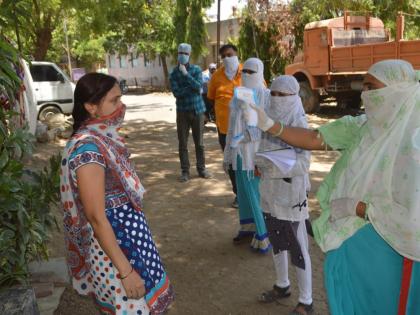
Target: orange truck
338 52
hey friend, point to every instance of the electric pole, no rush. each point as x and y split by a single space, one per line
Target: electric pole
218 33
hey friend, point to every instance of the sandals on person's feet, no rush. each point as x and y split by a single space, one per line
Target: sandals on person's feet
276 293
243 238
303 309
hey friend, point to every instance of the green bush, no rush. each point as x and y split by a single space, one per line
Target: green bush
25 201
25 196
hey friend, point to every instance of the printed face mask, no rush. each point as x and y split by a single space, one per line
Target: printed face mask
116 118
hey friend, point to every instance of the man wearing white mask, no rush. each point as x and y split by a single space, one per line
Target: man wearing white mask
242 142
220 93
186 83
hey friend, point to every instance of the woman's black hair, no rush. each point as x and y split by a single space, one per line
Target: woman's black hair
91 88
226 47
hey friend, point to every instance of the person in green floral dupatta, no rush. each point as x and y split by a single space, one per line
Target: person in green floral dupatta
370 221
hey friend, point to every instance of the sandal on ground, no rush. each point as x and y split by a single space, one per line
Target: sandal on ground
276 293
303 309
243 238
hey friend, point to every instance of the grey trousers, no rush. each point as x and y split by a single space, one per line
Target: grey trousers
184 122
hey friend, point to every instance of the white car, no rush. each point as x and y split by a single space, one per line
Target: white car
52 88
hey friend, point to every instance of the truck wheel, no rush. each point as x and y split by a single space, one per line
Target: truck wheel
349 101
310 98
356 102
48 111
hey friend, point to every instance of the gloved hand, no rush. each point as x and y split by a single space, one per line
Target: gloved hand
183 69
343 207
264 122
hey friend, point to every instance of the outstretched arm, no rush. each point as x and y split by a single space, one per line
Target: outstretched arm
298 137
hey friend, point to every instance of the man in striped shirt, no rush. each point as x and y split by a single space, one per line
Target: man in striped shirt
186 84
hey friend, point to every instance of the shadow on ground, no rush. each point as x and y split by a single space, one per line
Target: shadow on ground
193 226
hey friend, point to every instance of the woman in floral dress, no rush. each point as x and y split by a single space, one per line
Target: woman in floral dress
111 254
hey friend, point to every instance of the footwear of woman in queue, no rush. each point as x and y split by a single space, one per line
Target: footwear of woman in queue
110 249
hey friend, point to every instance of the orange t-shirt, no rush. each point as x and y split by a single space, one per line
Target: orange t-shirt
220 89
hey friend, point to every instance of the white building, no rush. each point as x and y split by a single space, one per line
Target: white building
138 70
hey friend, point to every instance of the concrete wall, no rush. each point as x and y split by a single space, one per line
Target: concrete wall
139 71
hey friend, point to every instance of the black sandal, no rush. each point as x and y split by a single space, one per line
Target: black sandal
307 308
276 293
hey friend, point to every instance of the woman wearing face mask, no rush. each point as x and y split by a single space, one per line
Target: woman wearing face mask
283 198
370 226
242 143
110 250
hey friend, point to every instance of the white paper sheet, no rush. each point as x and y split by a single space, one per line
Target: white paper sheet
247 97
244 94
283 159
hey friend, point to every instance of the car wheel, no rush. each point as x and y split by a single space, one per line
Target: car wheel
310 98
48 111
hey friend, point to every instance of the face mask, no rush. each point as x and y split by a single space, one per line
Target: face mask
183 59
372 101
250 81
116 118
378 109
275 101
231 66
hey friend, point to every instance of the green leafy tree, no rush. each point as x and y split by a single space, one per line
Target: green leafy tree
189 23
141 27
31 23
266 33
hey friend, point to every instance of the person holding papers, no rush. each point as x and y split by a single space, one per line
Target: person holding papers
242 143
283 187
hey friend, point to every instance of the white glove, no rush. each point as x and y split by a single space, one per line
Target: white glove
264 122
343 207
183 69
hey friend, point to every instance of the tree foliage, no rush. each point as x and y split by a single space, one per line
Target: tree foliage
189 23
25 196
266 32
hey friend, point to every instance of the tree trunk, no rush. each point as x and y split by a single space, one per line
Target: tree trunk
165 70
43 41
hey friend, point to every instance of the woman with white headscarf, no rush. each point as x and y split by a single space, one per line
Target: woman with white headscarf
284 197
242 142
370 221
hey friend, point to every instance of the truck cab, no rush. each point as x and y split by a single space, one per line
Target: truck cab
52 88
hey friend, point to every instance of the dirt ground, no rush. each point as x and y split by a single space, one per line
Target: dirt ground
193 226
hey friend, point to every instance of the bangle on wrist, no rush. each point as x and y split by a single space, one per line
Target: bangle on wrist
123 277
278 133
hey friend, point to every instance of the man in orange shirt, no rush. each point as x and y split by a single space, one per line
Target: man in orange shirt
220 92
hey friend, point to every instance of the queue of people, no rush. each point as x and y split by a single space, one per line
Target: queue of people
370 222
